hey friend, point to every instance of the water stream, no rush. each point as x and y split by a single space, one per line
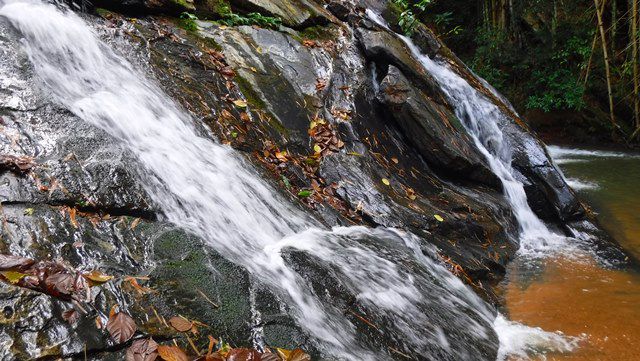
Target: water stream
212 191
482 119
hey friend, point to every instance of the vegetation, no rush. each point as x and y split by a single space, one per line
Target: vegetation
555 57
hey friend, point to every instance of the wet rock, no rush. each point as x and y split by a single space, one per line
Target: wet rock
433 130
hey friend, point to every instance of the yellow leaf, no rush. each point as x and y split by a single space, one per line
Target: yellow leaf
386 181
13 276
313 125
438 218
96 277
317 149
240 103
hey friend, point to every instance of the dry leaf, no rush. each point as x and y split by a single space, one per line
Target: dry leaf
181 324
143 350
240 103
96 277
172 353
8 261
121 327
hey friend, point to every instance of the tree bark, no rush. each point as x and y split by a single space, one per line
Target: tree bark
607 69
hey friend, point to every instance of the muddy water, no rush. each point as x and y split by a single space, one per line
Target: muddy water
572 293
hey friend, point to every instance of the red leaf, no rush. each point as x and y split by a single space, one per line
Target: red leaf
121 327
143 350
243 354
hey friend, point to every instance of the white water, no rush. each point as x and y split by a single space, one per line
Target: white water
481 117
211 191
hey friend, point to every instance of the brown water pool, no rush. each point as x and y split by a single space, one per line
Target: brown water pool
573 294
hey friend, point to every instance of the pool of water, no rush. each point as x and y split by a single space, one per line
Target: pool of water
570 292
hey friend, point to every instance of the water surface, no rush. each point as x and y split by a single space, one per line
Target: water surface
571 292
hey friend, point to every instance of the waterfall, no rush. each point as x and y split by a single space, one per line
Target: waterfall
482 119
213 192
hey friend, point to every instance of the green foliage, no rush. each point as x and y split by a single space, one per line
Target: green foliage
409 10
258 19
544 77
188 21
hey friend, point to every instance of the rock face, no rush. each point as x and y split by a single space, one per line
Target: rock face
363 125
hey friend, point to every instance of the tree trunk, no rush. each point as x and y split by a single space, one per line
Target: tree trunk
634 62
605 54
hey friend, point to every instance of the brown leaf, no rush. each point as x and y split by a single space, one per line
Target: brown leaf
243 354
71 316
72 216
60 284
172 353
181 324
20 165
269 357
143 350
228 71
8 262
121 327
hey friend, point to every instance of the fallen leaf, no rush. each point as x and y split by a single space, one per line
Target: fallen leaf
240 103
295 355
172 353
143 350
72 216
8 261
29 212
386 181
121 327
135 223
71 316
269 357
317 149
20 165
181 324
96 277
13 277
243 354
438 218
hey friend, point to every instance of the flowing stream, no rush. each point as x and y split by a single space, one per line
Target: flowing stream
482 119
210 190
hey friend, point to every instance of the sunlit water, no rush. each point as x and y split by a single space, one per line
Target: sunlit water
213 192
575 294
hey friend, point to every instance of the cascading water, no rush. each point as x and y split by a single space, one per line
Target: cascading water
481 117
211 191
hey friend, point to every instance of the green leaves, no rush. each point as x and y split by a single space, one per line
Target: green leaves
305 193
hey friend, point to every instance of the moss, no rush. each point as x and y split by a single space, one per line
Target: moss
104 13
254 99
187 24
211 43
247 90
183 4
317 33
